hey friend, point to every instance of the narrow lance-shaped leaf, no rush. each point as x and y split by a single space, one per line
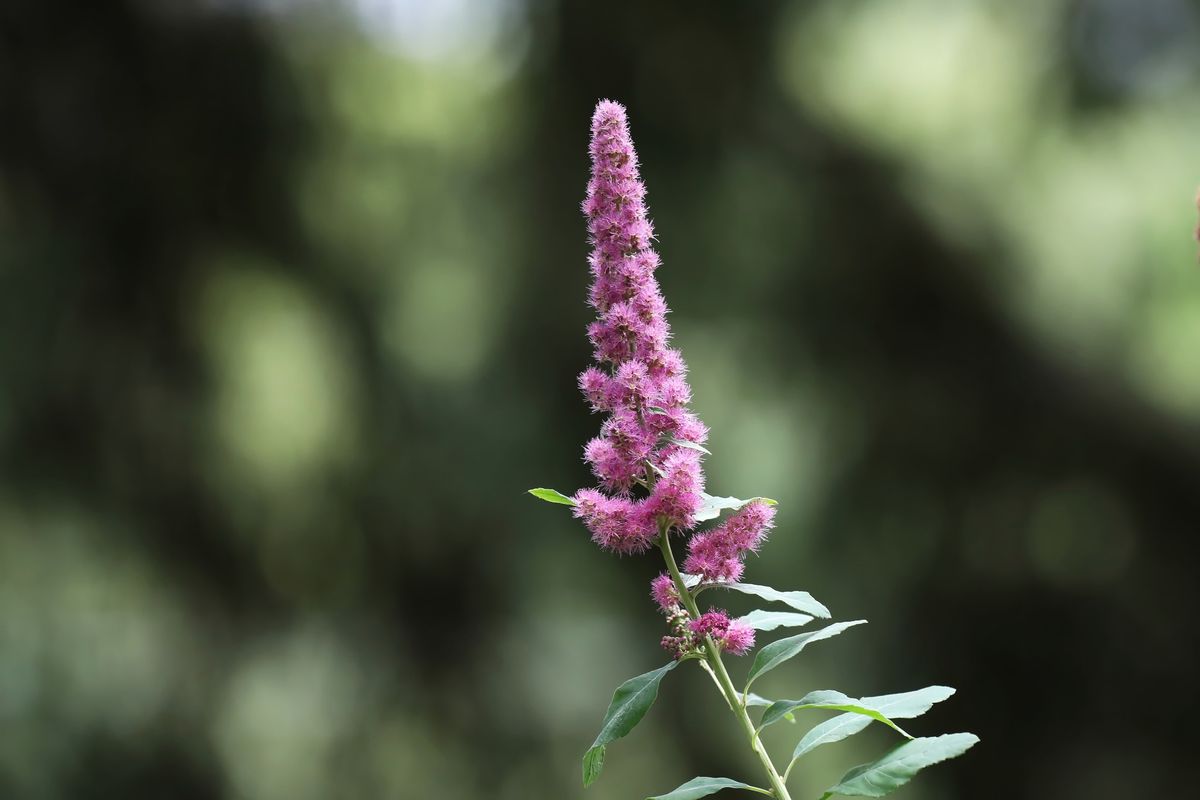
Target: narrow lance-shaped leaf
774 654
904 705
801 601
702 787
753 700
630 703
830 700
690 445
712 506
552 496
761 620
899 766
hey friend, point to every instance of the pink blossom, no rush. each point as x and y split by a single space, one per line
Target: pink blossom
730 635
713 622
747 528
639 381
595 387
708 559
716 554
738 639
677 493
662 589
616 523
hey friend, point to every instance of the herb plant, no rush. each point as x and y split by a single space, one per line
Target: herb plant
648 462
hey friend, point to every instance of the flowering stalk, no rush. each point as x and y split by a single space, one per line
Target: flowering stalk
712 653
647 461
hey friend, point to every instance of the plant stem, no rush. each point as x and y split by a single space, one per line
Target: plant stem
713 657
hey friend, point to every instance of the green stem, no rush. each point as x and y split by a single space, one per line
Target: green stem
713 657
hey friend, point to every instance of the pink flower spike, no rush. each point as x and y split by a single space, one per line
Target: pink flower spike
638 380
716 554
749 525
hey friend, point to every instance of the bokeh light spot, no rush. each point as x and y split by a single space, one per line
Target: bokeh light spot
1080 534
285 383
441 324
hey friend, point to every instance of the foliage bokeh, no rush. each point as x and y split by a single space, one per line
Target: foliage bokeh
291 306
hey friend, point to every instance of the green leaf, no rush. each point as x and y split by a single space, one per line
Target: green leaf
801 601
552 496
829 700
770 620
904 705
899 766
753 700
690 445
712 506
630 703
593 762
774 654
702 787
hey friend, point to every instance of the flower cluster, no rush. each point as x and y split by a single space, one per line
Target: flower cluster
728 635
662 589
638 380
731 636
716 554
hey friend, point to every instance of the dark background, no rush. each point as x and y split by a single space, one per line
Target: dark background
291 309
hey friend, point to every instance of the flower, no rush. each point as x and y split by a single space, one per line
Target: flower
638 380
730 635
616 523
662 589
713 622
716 554
738 639
677 494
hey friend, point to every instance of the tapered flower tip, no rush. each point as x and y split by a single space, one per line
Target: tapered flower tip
608 112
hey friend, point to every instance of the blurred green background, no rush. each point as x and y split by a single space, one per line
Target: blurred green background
291 309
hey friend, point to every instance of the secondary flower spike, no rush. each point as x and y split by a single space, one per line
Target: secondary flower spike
638 380
716 554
